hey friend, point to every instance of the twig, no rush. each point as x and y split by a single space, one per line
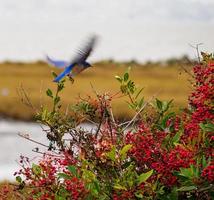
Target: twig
100 123
206 188
25 137
91 121
197 50
92 87
66 111
24 97
40 92
145 104
115 95
103 113
124 123
48 154
112 116
185 70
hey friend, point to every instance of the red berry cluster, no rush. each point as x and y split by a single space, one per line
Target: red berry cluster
208 173
76 188
201 100
149 153
124 195
43 178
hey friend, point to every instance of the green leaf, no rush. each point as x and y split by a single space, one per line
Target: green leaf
19 179
186 172
144 176
119 187
139 195
54 74
72 169
159 104
166 105
138 93
166 118
94 190
61 194
123 89
57 197
112 154
49 93
204 162
141 102
195 170
63 175
209 127
60 86
88 175
96 185
119 79
187 188
126 77
177 137
131 86
172 196
124 150
36 169
56 100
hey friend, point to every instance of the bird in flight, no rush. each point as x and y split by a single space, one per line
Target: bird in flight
78 63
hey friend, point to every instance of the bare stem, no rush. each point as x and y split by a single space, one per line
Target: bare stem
133 119
34 141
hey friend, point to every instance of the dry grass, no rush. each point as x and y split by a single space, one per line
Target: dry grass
36 78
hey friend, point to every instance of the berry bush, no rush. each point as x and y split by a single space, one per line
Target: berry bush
158 154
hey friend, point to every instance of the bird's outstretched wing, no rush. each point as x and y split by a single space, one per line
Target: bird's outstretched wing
64 73
57 63
85 51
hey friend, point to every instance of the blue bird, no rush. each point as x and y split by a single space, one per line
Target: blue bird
77 64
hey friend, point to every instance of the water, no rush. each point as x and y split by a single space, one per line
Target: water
12 145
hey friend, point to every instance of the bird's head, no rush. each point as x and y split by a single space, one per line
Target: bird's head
86 65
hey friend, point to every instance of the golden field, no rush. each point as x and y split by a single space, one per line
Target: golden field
170 82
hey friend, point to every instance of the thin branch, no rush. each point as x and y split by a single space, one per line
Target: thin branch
206 188
197 50
118 95
103 113
27 138
67 109
40 94
24 97
112 117
94 90
47 154
91 121
145 104
124 123
100 123
185 70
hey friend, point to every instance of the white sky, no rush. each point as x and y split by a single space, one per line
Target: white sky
129 29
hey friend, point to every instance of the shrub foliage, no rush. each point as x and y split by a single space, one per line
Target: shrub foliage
158 154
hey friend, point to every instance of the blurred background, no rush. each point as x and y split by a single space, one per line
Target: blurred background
155 38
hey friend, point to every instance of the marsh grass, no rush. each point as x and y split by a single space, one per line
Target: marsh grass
170 82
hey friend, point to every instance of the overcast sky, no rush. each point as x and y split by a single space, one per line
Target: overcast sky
128 29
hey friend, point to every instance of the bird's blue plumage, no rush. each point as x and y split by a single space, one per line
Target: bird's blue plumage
57 63
78 63
64 73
